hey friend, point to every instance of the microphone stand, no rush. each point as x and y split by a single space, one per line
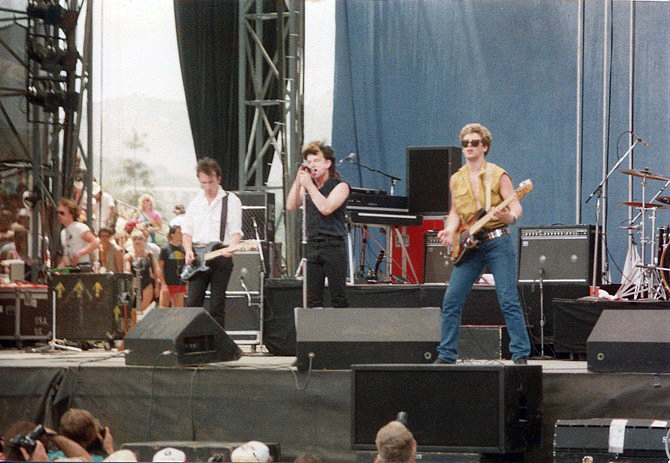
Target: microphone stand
391 177
593 291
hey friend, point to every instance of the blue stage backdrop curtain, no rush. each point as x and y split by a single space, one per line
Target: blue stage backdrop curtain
412 73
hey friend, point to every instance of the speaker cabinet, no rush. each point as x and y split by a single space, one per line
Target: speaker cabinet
437 269
179 337
337 338
428 171
557 254
630 341
452 408
89 306
258 214
247 266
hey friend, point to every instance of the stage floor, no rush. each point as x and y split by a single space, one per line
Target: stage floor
264 397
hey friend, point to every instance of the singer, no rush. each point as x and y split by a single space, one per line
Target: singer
326 197
476 185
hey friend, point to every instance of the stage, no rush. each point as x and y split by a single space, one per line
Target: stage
264 397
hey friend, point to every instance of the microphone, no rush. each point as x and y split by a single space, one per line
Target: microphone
244 273
349 158
306 167
644 143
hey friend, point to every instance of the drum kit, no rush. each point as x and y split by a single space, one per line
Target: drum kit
650 275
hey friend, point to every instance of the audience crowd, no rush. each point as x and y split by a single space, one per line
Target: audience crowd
82 437
115 242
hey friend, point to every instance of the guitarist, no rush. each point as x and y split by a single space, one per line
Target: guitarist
475 186
213 215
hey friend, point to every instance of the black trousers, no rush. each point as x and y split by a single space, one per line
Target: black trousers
217 279
327 259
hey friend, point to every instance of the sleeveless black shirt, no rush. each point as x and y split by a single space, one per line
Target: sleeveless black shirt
326 225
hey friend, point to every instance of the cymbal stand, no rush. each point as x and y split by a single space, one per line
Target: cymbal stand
648 280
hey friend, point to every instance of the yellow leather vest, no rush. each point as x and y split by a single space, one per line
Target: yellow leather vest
464 198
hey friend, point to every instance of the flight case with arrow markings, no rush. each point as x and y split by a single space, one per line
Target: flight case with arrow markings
91 306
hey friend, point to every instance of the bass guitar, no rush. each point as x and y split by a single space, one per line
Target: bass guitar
465 239
203 254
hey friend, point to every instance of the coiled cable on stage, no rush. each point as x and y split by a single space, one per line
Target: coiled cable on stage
309 374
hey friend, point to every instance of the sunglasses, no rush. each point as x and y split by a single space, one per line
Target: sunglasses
474 143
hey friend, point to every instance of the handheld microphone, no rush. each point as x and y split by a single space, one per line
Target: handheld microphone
307 168
644 143
349 158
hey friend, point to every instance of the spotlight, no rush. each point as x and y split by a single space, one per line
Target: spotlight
52 14
51 58
51 100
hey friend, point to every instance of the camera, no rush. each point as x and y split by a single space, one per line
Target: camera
28 442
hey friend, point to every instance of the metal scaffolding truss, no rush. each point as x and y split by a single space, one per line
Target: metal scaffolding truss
58 80
271 46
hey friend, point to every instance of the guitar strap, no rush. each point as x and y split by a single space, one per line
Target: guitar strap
488 182
224 216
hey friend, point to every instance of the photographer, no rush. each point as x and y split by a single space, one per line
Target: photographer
82 436
24 442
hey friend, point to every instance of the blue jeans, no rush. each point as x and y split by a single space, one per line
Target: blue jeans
498 255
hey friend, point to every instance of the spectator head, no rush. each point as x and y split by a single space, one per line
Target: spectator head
67 211
146 202
395 444
179 209
169 454
96 190
80 426
252 451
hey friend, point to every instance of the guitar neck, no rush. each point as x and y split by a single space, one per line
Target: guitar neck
246 245
484 220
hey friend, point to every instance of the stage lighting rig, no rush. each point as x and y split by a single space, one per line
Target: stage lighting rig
52 13
52 100
51 58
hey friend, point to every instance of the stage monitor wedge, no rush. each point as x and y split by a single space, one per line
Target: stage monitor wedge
180 336
634 341
428 171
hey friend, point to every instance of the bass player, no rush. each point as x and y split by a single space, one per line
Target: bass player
214 215
475 186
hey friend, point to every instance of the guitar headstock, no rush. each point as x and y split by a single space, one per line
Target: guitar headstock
524 188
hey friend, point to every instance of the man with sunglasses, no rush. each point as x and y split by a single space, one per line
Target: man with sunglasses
482 185
77 240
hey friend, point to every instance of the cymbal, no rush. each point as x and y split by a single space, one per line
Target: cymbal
645 205
664 199
644 173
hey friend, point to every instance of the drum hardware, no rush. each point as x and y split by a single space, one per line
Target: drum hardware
648 279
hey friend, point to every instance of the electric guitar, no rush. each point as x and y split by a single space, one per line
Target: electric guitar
465 240
203 254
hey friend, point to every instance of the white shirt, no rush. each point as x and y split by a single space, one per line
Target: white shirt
72 239
101 211
178 221
203 219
